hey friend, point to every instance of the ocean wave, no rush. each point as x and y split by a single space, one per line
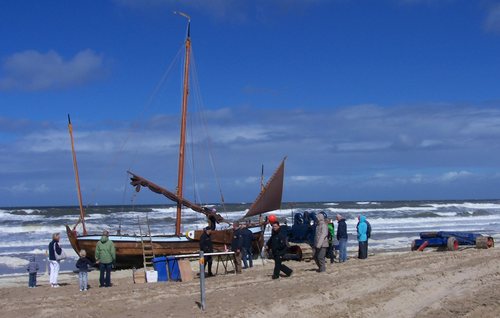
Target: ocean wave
32 228
466 205
367 203
401 210
13 262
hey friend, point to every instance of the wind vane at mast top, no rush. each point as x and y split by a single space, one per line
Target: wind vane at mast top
183 14
189 21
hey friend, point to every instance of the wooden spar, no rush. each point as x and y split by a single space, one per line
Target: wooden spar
77 179
138 182
262 178
182 144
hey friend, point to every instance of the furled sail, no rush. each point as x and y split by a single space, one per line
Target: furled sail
269 199
138 181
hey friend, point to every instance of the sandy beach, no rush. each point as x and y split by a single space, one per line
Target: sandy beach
465 283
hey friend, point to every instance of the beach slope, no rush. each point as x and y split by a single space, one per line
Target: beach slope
464 283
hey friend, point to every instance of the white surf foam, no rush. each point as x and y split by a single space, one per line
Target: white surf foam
13 262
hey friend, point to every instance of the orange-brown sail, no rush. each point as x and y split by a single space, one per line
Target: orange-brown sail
269 199
138 181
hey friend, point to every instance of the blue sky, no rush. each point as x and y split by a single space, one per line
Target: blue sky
370 100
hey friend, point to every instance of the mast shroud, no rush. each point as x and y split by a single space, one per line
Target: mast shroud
77 179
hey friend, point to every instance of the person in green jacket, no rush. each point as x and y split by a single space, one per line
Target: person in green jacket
331 237
105 256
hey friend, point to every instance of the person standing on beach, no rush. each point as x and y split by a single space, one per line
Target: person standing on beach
32 270
362 228
246 250
342 238
331 239
83 264
236 245
56 254
320 243
105 256
278 245
207 247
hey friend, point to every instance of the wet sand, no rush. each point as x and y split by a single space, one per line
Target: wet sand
465 283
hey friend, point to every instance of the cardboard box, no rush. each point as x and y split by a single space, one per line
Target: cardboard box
139 276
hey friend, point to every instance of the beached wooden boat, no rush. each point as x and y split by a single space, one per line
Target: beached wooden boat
130 248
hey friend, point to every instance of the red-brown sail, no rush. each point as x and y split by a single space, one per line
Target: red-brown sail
269 199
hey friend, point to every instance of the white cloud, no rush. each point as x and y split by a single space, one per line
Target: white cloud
355 149
492 21
307 179
454 175
41 188
32 71
363 146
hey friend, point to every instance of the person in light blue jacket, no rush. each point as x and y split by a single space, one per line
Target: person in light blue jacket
362 228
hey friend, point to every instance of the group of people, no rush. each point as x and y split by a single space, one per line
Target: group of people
105 255
324 243
241 245
324 246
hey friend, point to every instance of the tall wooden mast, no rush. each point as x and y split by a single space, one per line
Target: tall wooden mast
182 144
77 179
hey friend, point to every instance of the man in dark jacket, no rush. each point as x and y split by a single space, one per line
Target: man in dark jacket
207 247
342 238
236 245
278 245
246 250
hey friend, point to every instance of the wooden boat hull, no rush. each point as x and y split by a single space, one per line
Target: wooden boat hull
129 247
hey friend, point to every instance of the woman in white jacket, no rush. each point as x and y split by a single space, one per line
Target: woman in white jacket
321 243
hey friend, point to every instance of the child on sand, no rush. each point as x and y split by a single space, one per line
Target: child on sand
83 264
32 270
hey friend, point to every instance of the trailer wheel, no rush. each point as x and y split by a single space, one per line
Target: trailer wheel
491 242
414 245
484 242
452 244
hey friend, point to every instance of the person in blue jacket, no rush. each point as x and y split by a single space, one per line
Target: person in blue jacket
362 228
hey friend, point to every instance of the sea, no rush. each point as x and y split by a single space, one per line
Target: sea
27 231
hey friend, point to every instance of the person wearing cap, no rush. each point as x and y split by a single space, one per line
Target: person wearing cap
212 215
278 244
206 246
105 256
320 243
342 238
236 245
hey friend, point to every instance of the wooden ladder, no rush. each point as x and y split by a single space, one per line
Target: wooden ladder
148 252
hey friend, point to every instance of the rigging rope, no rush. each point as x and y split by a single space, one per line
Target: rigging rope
197 95
136 124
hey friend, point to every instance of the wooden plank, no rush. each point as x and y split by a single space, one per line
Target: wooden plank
186 271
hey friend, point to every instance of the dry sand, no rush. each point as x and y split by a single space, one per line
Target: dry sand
465 283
